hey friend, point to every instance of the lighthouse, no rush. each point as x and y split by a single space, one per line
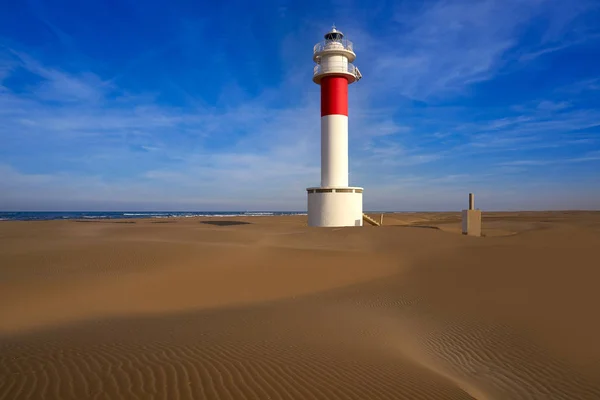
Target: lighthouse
334 203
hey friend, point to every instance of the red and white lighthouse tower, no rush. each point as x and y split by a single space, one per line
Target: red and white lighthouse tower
334 203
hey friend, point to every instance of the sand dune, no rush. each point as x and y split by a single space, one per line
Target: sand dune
265 307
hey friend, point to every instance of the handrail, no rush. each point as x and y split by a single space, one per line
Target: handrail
372 221
344 44
336 67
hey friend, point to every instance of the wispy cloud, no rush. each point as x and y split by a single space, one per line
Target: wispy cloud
444 46
585 85
544 50
550 161
449 45
552 105
534 129
57 85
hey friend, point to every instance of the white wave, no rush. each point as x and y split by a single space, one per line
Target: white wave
208 215
140 214
258 214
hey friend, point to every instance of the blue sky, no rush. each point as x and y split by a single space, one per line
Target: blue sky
187 105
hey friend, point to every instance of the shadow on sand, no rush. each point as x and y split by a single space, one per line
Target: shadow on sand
225 223
423 226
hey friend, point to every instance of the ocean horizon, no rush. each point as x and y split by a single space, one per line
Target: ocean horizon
66 215
61 215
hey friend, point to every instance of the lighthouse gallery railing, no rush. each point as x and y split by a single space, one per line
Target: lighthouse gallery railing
335 67
326 44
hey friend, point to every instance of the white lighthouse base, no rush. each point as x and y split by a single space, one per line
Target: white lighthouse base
335 206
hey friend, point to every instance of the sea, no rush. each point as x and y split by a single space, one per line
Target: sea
58 215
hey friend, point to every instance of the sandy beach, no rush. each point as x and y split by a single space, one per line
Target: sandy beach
267 308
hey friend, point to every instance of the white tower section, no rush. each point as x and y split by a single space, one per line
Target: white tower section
334 203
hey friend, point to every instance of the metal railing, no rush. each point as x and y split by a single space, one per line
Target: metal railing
333 44
336 67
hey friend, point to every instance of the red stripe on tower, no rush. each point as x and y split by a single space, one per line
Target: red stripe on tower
334 95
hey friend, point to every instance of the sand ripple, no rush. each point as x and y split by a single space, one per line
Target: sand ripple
179 358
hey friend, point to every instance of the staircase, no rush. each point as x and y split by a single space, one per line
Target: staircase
370 220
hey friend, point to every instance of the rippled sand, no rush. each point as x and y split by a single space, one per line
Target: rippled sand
265 307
